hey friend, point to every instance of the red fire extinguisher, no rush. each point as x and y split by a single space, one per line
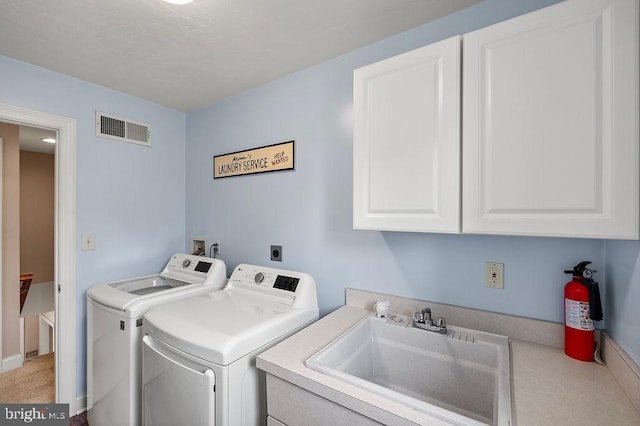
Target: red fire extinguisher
582 306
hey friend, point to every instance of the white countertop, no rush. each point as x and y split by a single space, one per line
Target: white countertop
548 387
551 388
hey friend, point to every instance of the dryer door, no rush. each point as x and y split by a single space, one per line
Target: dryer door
175 390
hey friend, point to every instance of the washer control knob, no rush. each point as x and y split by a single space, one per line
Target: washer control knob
259 277
186 263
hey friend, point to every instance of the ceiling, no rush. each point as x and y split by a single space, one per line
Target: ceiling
31 140
191 56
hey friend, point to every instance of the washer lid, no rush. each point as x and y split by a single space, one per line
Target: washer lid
183 276
147 285
133 304
110 294
223 326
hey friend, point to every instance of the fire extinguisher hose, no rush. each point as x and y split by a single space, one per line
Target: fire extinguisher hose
595 304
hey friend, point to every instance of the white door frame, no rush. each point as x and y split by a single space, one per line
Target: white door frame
65 244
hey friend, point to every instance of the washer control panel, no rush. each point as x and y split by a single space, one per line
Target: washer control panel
286 283
187 263
263 277
195 269
289 287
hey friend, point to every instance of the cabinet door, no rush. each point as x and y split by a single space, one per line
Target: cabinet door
550 123
407 141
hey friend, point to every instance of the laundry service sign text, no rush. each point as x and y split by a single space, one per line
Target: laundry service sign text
269 158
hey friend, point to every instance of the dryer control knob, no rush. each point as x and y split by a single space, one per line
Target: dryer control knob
259 277
186 263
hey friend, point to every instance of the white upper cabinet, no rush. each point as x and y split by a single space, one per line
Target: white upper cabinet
407 141
550 123
550 137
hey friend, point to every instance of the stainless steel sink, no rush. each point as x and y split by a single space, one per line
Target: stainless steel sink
462 377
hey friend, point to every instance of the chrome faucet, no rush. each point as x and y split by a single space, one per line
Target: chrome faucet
422 320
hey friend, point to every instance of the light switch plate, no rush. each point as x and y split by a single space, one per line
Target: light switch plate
88 241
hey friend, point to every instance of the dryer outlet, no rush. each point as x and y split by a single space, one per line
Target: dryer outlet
276 253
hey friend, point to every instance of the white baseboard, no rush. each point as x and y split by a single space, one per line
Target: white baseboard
622 367
12 362
81 403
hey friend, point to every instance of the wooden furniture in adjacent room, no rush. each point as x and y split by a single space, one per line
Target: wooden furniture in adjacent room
25 283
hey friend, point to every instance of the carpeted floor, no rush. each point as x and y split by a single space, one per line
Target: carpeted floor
31 383
34 383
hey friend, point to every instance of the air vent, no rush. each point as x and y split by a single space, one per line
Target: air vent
112 127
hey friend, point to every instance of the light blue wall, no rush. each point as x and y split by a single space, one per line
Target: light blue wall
309 211
131 197
622 295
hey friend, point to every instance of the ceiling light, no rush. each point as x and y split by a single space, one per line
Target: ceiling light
178 1
48 140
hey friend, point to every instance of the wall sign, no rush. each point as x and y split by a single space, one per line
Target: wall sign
269 158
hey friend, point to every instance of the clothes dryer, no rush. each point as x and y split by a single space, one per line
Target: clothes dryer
114 332
199 354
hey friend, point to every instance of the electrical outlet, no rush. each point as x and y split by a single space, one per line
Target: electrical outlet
276 253
494 275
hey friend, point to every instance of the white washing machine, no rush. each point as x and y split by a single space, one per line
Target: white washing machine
114 332
199 354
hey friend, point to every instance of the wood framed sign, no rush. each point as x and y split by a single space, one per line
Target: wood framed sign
268 158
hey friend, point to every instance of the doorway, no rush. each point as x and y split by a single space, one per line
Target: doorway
64 281
34 188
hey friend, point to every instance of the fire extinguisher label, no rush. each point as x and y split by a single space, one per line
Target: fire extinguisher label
577 315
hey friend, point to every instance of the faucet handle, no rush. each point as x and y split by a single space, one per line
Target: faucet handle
417 317
426 315
440 322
